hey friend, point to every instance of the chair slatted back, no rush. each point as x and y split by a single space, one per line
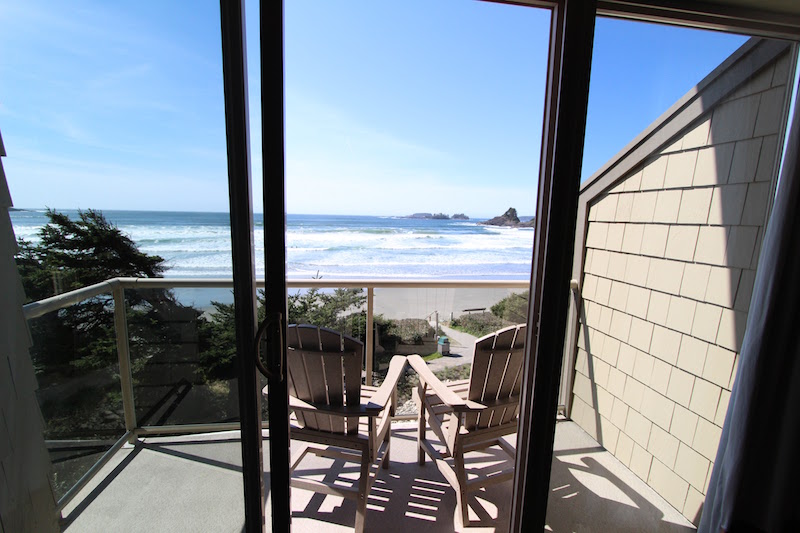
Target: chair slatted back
496 376
324 368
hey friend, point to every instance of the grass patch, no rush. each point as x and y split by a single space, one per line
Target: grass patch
431 357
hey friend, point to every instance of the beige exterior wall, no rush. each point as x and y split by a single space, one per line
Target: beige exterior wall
670 256
26 497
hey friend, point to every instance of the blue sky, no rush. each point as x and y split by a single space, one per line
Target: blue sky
391 107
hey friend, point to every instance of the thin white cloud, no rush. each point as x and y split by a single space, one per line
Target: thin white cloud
112 78
68 126
86 184
336 164
339 165
359 188
310 119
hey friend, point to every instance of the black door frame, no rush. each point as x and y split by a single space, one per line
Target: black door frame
566 102
274 204
234 71
234 62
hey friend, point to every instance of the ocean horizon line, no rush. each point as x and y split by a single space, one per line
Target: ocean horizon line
117 210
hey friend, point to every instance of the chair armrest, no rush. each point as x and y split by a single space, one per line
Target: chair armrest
384 393
375 404
445 394
297 404
507 402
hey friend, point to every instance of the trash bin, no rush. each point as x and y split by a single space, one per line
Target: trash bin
444 345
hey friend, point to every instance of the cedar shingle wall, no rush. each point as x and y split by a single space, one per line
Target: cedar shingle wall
671 252
26 496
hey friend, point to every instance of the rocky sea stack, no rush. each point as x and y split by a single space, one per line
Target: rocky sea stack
509 219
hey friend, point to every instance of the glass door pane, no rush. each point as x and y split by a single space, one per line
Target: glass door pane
409 125
113 117
683 134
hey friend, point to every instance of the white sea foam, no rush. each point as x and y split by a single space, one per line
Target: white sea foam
348 247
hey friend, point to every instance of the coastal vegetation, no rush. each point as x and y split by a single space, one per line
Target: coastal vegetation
341 310
513 309
75 353
71 254
477 324
409 381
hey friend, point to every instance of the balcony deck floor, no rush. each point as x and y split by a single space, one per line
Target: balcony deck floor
193 483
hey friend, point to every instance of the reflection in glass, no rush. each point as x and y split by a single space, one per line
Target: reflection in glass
76 366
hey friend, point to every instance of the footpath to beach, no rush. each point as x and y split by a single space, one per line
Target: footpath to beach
461 349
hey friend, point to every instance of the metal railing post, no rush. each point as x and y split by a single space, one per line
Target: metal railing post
570 353
370 333
123 351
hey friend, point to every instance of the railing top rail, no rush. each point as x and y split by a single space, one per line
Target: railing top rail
60 301
54 303
131 283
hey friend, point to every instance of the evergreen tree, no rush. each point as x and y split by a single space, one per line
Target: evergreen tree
71 254
339 310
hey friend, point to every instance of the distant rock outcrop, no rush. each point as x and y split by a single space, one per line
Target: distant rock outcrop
439 216
528 223
509 219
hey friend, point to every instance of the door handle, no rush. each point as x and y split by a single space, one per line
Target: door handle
270 336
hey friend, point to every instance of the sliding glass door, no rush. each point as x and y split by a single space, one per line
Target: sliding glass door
264 479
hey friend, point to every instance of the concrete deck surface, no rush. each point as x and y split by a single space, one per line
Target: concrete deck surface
194 483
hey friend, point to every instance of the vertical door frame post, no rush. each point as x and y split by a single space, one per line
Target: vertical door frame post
274 202
234 71
567 95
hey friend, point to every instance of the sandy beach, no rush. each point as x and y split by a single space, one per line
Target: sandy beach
424 303
392 303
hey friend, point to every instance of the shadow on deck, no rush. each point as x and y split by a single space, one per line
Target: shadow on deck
194 483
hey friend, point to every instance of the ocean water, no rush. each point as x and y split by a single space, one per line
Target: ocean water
197 245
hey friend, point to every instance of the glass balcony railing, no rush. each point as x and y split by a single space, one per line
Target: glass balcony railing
136 357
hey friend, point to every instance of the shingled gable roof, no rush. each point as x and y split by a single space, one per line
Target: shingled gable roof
5 195
743 65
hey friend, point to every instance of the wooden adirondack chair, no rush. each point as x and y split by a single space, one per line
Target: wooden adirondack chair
332 408
474 414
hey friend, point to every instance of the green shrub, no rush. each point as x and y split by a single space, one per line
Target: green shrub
409 330
513 308
478 324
